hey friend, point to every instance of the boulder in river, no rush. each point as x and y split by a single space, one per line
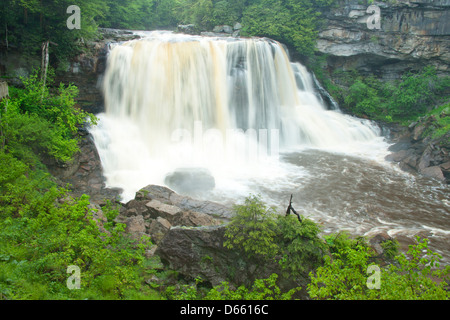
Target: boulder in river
190 180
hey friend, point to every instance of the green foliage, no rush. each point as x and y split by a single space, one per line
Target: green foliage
291 22
37 123
261 289
28 23
417 275
344 274
262 234
198 12
301 249
411 97
42 235
252 229
42 229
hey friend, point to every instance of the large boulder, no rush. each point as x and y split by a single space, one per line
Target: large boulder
185 203
156 209
187 29
190 180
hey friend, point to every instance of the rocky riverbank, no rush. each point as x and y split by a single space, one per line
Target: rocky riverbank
416 151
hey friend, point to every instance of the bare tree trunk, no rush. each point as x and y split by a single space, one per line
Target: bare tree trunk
3 94
44 66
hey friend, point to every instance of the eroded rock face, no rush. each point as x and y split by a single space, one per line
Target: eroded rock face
411 34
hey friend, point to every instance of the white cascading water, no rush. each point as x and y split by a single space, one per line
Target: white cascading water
228 105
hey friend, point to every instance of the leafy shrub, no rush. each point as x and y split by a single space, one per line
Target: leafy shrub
42 229
301 249
261 289
344 274
262 234
38 123
42 236
414 94
252 229
411 97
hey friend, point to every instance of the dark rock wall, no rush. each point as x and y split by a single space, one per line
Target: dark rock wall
412 34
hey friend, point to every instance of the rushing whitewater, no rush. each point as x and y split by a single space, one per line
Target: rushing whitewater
229 105
240 109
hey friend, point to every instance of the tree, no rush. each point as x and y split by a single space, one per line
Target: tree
292 22
252 229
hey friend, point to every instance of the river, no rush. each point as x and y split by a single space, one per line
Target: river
241 109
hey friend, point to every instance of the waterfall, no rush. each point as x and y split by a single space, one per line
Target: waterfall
229 105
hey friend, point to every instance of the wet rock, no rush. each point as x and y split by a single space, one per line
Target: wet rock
190 180
417 152
187 29
397 156
434 172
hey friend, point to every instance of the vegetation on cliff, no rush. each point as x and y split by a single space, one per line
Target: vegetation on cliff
43 230
416 96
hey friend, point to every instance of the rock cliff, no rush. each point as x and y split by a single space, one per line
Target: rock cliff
409 35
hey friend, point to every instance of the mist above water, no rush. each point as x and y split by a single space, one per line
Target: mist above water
228 105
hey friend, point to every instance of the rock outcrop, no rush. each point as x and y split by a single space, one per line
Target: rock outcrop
217 31
417 152
189 237
156 210
411 34
84 173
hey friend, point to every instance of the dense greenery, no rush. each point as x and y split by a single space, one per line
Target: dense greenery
42 229
346 274
261 289
28 23
294 23
261 233
415 95
37 124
